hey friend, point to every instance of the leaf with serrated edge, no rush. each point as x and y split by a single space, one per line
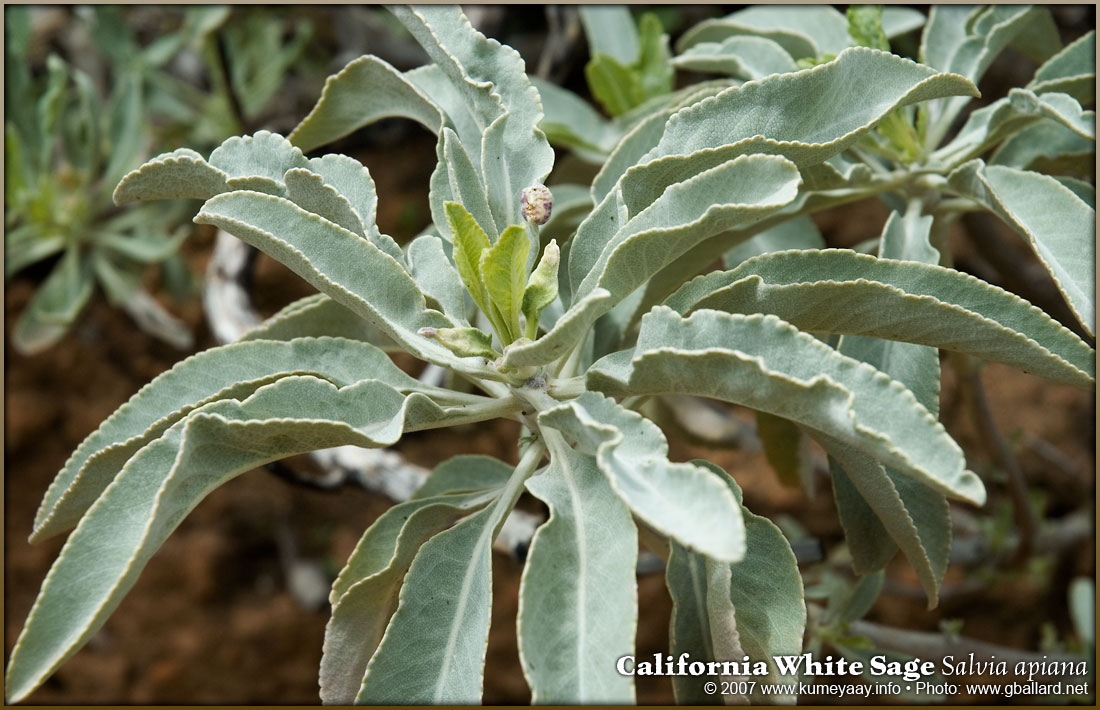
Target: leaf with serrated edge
683 501
309 191
1048 147
1021 109
351 270
463 474
746 57
168 477
729 196
230 371
366 90
818 291
796 44
491 79
798 233
354 183
1071 71
807 116
1060 227
315 316
466 185
578 604
183 173
765 363
263 156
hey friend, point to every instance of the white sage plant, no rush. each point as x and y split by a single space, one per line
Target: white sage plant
567 320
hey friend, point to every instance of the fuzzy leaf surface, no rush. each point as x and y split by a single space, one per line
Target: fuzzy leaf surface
765 363
1058 225
683 501
578 605
818 291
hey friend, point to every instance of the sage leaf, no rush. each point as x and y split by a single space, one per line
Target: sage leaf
542 287
1058 225
470 243
742 56
437 278
503 268
182 173
763 591
765 363
316 316
610 31
257 162
1049 147
734 194
566 333
681 500
1071 71
944 308
578 606
807 116
228 372
168 477
363 92
56 304
351 270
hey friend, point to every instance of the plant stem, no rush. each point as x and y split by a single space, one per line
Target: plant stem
473 413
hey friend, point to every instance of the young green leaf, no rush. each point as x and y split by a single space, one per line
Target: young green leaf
464 342
865 26
503 269
470 243
542 287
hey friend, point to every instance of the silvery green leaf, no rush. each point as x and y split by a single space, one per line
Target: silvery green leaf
571 122
880 509
1059 226
818 291
786 450
364 597
915 517
569 330
827 28
798 233
366 90
898 20
169 476
464 474
988 126
572 203
742 56
1047 147
807 116
795 43
1042 38
490 77
610 30
228 372
257 162
1072 71
639 140
143 247
578 601
503 269
365 594
432 81
464 185
55 305
763 591
309 191
436 276
1082 189
764 363
964 40
433 649
181 173
316 316
351 270
685 502
354 183
732 195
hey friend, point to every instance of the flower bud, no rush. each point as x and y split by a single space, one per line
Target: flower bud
536 202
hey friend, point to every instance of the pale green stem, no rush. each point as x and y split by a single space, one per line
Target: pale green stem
513 489
570 361
566 388
474 413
